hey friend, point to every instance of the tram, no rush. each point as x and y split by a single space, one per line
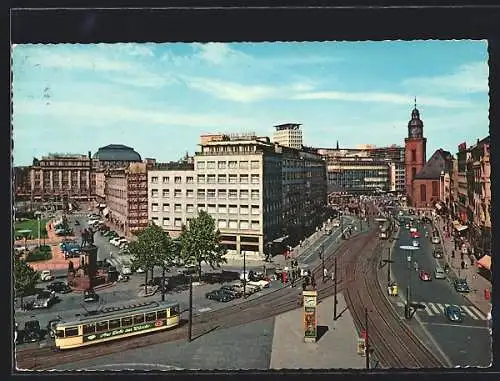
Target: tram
116 323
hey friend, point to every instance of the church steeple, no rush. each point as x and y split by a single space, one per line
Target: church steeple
415 125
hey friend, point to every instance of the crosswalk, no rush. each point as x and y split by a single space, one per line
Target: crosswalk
433 309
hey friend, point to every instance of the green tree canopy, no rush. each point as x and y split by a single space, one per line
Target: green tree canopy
200 242
25 277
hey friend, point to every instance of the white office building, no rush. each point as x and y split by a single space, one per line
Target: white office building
288 135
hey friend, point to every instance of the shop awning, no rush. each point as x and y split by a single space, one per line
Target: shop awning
105 212
485 262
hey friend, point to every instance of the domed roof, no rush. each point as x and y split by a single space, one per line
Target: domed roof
415 119
117 152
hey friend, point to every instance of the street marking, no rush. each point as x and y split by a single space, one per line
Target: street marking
469 312
455 325
441 308
433 307
428 310
478 312
205 309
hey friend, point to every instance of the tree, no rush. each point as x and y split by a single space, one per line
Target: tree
25 277
200 242
153 247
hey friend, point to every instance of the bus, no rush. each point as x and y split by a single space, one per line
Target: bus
115 323
384 230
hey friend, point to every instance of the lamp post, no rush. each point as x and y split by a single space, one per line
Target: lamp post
38 219
388 262
244 274
190 326
409 257
322 257
335 301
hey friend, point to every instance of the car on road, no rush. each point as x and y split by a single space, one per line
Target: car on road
415 243
45 299
90 296
461 285
31 332
59 287
219 295
435 240
453 313
439 273
415 234
437 253
261 283
425 276
126 270
46 276
336 224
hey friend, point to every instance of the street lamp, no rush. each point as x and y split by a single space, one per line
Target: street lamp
409 249
321 256
388 262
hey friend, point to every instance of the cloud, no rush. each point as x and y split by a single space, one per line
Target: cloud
102 115
468 78
217 53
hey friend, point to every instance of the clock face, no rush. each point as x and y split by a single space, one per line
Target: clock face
309 301
414 131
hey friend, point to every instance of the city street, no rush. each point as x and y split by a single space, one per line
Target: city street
466 343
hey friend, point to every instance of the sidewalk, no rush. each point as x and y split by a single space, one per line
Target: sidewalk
335 349
476 282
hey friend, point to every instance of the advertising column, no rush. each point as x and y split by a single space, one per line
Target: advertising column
310 316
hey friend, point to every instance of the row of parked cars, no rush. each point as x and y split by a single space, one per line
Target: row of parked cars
229 292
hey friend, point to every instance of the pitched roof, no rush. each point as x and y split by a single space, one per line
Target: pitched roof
438 162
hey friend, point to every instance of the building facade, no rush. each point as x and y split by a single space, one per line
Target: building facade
415 154
288 135
462 205
172 195
59 176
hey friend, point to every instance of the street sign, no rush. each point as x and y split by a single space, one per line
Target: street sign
361 347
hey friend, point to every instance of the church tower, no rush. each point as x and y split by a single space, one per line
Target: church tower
415 150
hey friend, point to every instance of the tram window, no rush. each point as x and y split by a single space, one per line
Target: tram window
127 321
151 316
138 319
174 310
88 328
114 324
101 326
60 333
161 314
71 331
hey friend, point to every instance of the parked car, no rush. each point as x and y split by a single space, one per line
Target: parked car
453 313
435 240
46 276
126 270
219 295
237 292
45 299
114 241
261 283
90 296
60 287
425 276
336 224
32 331
461 285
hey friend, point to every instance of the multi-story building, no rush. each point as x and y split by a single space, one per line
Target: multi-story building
115 156
126 194
58 176
99 178
288 135
461 184
22 182
172 195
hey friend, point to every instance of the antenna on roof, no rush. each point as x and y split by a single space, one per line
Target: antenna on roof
415 102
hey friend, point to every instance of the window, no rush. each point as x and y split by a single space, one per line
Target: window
177 208
233 194
151 316
222 224
154 180
210 164
190 180
255 194
255 224
154 207
435 190
244 164
154 220
154 192
177 180
211 193
413 172
221 179
254 164
166 179
222 209
244 225
244 194
177 193
71 331
189 193
211 179
127 321
138 319
101 326
255 179
166 221
166 207
244 209
174 310
423 191
413 155
233 179
232 164
221 165
201 207
190 208
161 314
244 179
201 179
166 192
114 324
201 193
177 222
201 165
255 210
233 209
211 208
222 194
88 328
233 224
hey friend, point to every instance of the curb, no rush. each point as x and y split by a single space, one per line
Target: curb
100 287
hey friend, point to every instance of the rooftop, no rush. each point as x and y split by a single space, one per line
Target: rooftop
438 162
117 152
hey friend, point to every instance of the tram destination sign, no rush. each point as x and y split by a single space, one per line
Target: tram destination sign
123 331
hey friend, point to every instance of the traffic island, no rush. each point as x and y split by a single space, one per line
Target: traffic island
149 291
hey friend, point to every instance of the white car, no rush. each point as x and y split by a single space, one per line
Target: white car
114 241
126 270
415 243
435 240
261 283
122 241
336 224
46 276
139 270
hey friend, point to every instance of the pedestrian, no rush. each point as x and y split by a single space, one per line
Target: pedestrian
453 253
462 264
325 273
333 276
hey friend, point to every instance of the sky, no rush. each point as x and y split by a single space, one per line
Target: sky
159 98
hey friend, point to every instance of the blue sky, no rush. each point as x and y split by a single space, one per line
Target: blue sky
158 98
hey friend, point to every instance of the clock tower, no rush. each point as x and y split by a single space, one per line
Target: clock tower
415 154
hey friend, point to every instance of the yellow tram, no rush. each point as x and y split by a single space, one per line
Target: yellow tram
116 323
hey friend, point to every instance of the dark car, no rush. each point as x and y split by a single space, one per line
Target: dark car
453 313
77 223
32 331
461 285
232 290
59 287
437 253
219 295
90 296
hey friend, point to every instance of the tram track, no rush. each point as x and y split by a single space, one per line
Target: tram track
263 307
